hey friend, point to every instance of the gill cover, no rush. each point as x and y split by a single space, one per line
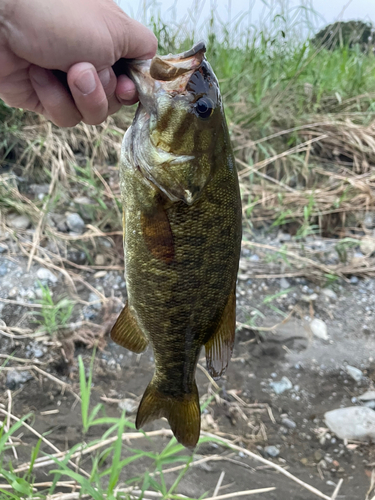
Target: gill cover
173 133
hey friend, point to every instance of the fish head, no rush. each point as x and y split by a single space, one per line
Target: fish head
177 122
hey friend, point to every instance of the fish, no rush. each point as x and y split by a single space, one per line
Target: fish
182 234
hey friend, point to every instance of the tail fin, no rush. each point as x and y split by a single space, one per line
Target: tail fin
183 414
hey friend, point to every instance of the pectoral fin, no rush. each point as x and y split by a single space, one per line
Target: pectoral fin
157 233
220 346
127 333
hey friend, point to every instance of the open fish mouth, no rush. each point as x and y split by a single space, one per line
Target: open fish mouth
170 73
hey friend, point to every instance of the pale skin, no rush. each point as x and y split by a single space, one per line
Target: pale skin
83 38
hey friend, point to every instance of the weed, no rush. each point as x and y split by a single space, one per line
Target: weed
53 315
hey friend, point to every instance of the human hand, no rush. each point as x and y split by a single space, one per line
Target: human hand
83 38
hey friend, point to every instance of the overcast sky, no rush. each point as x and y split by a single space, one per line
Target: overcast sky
328 10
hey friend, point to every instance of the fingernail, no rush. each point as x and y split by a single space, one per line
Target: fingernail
40 75
104 76
86 82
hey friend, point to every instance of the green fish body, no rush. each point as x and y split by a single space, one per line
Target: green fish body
182 234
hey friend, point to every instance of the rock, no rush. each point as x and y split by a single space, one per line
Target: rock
38 189
3 248
254 258
367 396
354 280
319 329
369 220
282 385
289 423
272 451
77 257
327 292
16 379
75 223
354 422
46 275
95 301
128 405
13 292
99 260
367 245
354 372
20 222
283 236
3 269
370 404
284 283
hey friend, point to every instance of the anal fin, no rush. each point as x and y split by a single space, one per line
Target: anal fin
127 333
220 346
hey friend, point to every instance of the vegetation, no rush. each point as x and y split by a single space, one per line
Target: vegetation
301 120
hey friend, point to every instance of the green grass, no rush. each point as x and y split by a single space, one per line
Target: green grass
107 472
52 315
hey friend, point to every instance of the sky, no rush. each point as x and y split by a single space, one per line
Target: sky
328 10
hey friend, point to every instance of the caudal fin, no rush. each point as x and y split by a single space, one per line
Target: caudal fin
183 413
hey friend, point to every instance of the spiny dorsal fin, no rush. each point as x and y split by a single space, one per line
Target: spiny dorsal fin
220 346
127 333
183 414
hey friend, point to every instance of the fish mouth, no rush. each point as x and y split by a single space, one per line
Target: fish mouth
169 73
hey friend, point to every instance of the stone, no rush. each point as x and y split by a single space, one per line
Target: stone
16 379
369 220
99 260
272 451
75 223
284 284
355 422
38 189
46 275
367 245
128 405
20 222
319 329
354 372
283 236
95 301
330 294
289 423
354 280
282 385
254 258
367 396
3 248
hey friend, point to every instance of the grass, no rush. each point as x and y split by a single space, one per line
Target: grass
53 315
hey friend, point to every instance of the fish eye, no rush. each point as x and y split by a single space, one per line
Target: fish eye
204 107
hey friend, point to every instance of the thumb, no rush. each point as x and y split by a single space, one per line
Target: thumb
138 42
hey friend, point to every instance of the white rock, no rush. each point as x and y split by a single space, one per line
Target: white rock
327 292
367 245
129 405
284 283
354 372
21 222
367 396
75 223
319 329
45 274
354 422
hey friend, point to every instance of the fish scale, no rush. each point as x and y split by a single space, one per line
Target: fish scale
182 235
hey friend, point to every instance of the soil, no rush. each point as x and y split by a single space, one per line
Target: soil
315 367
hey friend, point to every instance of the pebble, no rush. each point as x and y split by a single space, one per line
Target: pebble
254 258
319 329
3 269
289 423
15 379
21 222
75 223
367 246
354 422
272 451
3 248
354 372
95 301
367 396
284 283
282 385
354 280
99 260
46 275
327 292
128 405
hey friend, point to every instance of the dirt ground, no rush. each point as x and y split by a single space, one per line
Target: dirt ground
246 409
